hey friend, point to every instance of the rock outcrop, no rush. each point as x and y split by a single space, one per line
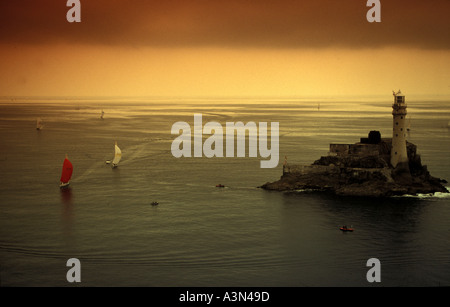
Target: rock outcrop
360 170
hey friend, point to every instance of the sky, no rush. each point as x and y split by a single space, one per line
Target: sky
281 48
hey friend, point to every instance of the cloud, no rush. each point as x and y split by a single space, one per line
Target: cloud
230 23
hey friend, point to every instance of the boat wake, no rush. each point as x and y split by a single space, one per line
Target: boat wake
93 169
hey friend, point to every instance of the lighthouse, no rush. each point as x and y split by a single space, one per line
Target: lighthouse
398 150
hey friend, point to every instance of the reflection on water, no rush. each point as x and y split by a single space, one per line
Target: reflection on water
67 217
67 205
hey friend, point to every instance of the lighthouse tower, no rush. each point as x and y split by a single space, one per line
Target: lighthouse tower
398 150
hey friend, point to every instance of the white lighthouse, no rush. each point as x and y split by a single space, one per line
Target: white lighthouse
398 150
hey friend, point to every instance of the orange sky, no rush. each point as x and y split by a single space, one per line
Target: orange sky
226 48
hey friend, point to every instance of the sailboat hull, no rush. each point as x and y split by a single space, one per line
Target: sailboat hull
63 185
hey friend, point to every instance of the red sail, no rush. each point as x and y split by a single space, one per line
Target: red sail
66 171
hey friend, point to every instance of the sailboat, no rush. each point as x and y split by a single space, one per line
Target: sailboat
117 156
39 124
67 170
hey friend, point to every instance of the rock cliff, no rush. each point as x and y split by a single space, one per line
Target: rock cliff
361 173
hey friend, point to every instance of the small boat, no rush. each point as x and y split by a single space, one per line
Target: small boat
117 156
67 170
155 203
39 124
220 186
345 228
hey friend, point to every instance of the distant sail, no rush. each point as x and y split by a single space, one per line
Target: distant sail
39 124
66 173
117 155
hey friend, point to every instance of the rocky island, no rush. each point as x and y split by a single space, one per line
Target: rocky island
375 166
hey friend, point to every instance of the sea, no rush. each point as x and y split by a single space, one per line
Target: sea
200 235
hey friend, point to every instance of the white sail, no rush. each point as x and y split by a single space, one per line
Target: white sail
39 124
117 155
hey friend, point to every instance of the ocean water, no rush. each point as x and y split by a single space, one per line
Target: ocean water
200 235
